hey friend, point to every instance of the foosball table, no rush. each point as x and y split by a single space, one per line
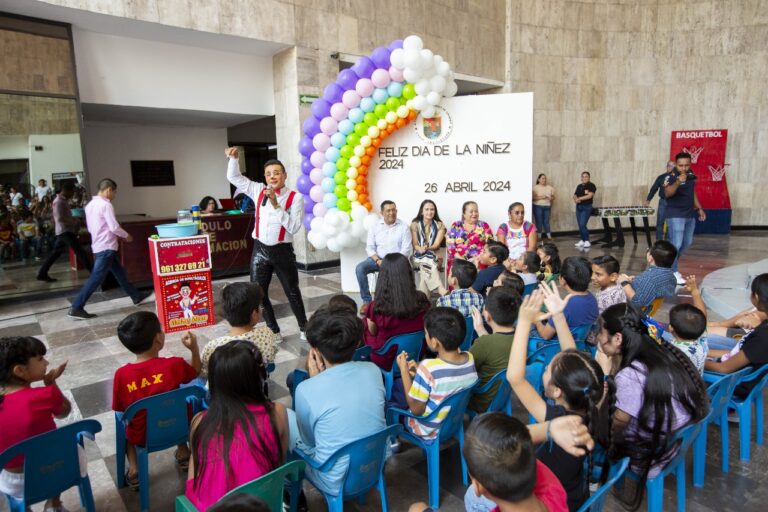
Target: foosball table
616 213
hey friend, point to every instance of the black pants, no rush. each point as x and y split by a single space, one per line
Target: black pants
62 242
281 260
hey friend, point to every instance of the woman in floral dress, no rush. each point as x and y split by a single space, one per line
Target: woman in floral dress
467 237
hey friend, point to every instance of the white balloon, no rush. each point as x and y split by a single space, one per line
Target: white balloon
334 245
413 59
317 239
402 112
433 98
409 104
351 184
356 229
328 229
438 59
411 75
397 58
428 112
358 213
370 220
419 102
344 239
451 89
316 224
413 42
391 117
381 124
331 219
426 58
422 87
365 141
359 150
343 221
352 171
437 83
373 132
443 68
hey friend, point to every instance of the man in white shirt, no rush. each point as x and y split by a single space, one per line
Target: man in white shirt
42 189
387 236
17 199
279 215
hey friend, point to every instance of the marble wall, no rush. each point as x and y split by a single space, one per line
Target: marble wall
33 63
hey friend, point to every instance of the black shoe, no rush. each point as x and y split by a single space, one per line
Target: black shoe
301 506
46 278
80 314
141 298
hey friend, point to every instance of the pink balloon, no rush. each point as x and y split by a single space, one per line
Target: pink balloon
396 74
351 99
380 78
316 176
339 112
364 87
319 209
316 193
321 142
318 157
329 126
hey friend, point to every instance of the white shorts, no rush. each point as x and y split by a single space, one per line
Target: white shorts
12 484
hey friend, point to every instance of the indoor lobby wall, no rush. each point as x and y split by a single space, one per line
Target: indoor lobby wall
613 79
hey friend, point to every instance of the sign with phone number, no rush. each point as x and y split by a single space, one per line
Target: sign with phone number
189 254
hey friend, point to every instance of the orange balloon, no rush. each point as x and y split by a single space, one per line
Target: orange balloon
362 171
362 198
391 128
370 150
358 189
411 115
400 122
360 179
365 159
383 134
368 206
376 142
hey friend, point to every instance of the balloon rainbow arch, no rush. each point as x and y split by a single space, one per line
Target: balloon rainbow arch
368 102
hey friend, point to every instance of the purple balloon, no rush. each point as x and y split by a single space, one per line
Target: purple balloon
308 221
347 79
364 67
309 205
332 93
311 126
321 108
306 165
380 57
306 147
394 45
304 184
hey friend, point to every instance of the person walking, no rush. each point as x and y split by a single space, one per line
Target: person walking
279 215
658 187
104 230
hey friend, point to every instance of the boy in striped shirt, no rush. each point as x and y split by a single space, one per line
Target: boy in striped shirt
434 380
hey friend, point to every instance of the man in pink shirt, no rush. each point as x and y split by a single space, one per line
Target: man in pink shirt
104 230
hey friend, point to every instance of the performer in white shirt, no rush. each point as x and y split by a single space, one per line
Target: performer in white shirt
388 235
279 215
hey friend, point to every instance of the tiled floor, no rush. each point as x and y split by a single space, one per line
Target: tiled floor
94 353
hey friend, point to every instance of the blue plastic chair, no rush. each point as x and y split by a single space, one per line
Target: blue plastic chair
299 376
743 408
365 471
362 354
167 425
451 427
720 393
470 336
655 486
51 465
501 399
530 288
412 343
596 502
579 334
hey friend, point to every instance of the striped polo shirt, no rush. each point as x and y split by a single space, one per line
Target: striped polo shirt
435 381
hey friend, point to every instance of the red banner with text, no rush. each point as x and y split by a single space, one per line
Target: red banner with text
707 150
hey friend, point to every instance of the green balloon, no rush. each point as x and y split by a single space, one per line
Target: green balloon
361 128
381 110
348 151
392 104
409 91
370 120
342 164
343 204
340 178
340 191
353 140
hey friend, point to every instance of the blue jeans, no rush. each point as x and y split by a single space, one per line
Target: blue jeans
583 212
680 234
365 267
541 218
104 262
717 342
660 219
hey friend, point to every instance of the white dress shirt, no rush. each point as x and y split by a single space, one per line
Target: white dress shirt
386 238
270 219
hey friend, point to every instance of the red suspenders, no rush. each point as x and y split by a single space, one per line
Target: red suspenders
288 204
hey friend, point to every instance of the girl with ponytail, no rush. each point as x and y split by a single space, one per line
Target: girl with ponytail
658 391
573 384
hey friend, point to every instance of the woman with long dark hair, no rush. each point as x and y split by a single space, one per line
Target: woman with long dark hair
658 391
398 307
208 205
243 434
427 230
543 195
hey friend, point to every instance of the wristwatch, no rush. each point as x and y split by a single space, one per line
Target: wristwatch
624 283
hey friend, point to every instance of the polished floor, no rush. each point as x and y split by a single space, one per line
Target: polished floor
94 353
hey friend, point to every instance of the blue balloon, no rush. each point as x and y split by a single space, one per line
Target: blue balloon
364 67
320 108
332 153
367 105
380 95
329 200
304 184
347 79
306 166
329 169
395 89
346 126
328 185
394 45
338 140
332 93
355 115
311 126
380 57
309 205
306 147
308 219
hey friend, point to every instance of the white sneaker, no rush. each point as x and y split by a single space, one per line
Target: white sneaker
303 336
579 244
278 337
587 245
680 279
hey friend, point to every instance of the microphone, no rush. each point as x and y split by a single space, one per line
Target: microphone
264 200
